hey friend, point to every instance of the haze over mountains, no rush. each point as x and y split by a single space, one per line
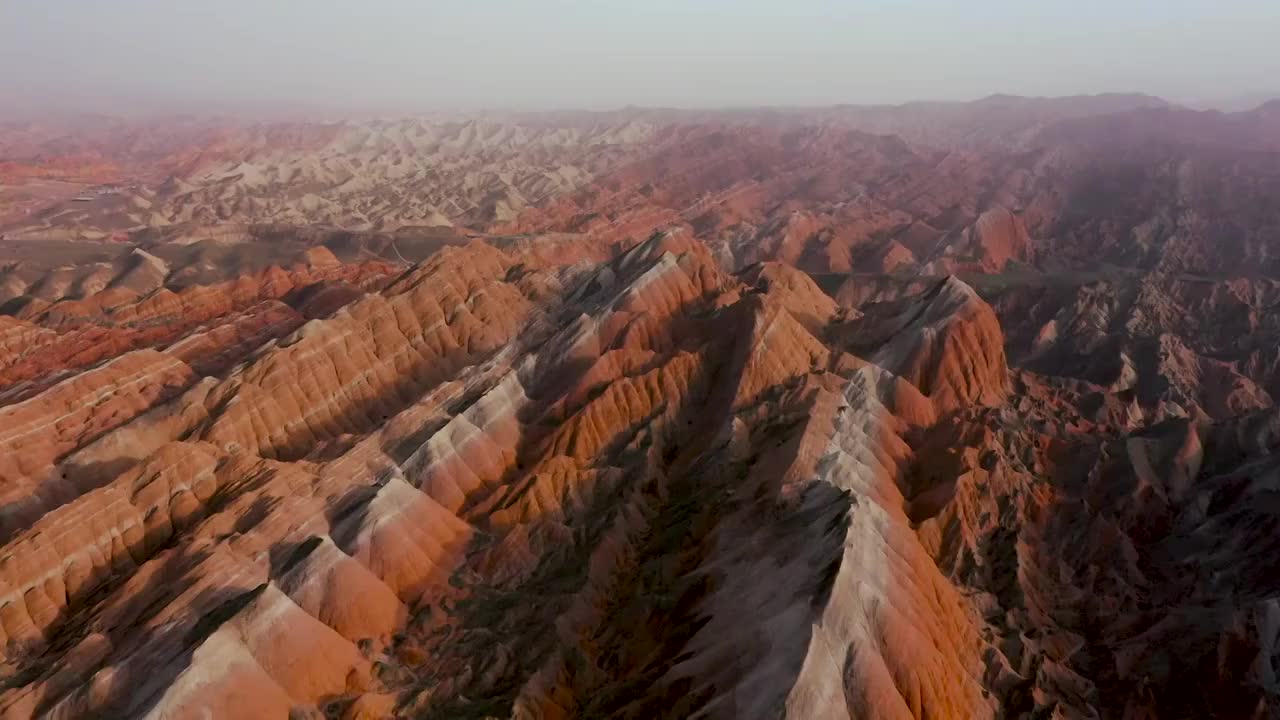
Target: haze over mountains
924 411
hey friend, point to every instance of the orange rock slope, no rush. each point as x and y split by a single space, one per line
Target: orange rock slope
495 485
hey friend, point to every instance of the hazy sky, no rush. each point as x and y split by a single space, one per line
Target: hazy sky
389 55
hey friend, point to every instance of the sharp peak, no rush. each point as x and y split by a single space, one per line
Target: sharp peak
952 284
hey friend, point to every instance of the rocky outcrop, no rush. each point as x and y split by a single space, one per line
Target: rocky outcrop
364 507
945 341
212 326
1181 347
1092 556
729 415
71 414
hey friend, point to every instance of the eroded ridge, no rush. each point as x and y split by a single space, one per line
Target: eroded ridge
496 485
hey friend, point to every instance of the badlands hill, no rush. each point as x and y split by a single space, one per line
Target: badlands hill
935 411
1055 184
489 485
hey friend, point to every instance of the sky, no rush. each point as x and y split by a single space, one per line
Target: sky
429 55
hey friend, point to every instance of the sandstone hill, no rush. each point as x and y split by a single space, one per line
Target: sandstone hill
491 484
1064 184
946 410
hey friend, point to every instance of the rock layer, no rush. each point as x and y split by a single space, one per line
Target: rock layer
553 470
366 507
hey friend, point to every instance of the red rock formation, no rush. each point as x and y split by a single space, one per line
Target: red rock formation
460 405
71 414
946 341
586 474
228 318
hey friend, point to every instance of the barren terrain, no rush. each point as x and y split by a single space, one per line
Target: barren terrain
934 411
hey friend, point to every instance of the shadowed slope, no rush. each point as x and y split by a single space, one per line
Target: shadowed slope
498 486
